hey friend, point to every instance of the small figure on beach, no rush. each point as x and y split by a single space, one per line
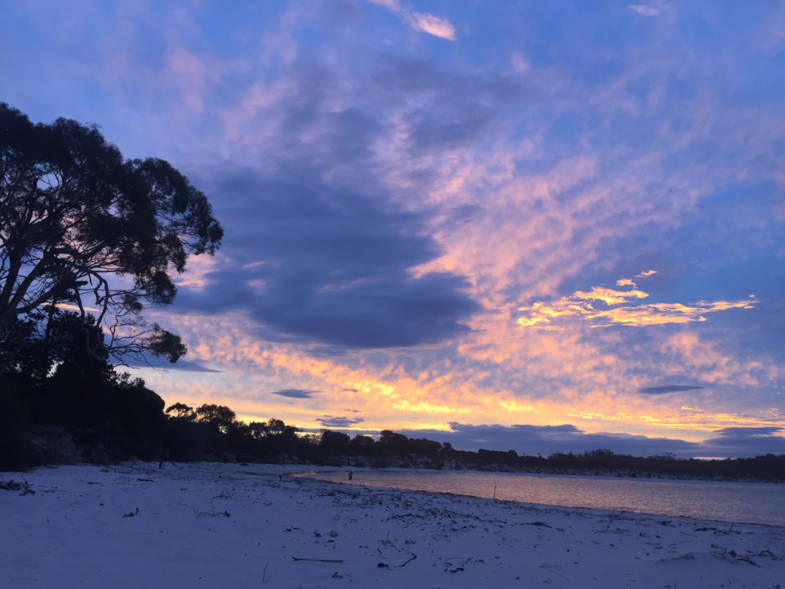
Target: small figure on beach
351 474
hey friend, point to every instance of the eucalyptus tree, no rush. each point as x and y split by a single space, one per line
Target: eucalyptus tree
84 229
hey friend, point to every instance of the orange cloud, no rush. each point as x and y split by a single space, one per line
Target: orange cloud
541 315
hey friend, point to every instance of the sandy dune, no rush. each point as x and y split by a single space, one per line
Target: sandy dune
218 525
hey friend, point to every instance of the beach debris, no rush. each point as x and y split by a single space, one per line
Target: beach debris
768 553
213 514
337 576
23 487
132 513
382 565
146 480
227 494
414 556
317 534
541 524
315 559
333 534
687 556
554 568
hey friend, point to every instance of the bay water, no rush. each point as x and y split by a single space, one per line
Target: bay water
760 503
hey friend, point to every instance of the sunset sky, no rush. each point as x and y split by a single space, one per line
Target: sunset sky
545 226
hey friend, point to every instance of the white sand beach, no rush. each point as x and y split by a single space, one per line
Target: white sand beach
229 525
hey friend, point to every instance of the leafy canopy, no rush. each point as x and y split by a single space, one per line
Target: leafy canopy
82 228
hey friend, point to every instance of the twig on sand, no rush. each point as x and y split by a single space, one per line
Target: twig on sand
316 559
213 514
414 556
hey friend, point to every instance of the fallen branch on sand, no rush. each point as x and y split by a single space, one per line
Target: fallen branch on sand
24 487
316 559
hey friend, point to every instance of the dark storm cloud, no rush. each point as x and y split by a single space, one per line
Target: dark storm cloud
737 441
747 432
338 422
318 263
320 253
672 388
295 393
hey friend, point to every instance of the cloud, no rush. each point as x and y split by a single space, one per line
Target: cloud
338 422
645 9
434 25
330 264
748 432
674 388
746 441
148 361
579 308
393 5
295 393
420 21
646 274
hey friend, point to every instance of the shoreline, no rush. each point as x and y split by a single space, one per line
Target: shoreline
228 524
547 493
625 475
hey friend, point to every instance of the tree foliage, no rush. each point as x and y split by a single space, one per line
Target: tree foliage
85 229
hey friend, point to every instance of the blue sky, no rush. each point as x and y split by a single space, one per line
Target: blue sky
480 220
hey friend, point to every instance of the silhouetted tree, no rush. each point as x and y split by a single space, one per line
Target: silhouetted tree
181 411
334 442
74 215
219 416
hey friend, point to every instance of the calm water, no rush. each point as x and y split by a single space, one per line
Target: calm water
733 502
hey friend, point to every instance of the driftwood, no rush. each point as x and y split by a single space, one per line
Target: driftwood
316 559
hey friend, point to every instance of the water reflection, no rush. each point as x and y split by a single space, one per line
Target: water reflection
732 502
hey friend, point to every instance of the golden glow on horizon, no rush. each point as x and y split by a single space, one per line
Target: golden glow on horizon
497 374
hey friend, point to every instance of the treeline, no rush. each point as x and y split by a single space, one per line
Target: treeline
595 462
119 418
